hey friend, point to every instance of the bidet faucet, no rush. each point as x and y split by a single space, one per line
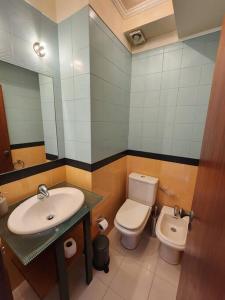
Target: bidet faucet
42 192
180 212
176 211
189 214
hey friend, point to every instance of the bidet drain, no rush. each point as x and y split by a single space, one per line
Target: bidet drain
173 229
50 217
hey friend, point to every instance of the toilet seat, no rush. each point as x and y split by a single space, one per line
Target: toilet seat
132 215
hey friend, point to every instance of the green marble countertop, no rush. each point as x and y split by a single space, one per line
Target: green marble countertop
28 247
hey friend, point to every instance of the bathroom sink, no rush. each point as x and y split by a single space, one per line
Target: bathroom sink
35 215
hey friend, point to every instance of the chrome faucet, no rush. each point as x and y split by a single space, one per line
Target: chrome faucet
183 213
42 192
176 211
180 212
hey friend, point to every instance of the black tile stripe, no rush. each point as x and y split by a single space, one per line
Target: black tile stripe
27 145
20 174
97 165
51 156
165 157
78 164
23 173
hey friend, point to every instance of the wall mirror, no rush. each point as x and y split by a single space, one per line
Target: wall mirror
28 135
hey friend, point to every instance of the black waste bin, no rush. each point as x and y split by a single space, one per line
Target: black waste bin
101 253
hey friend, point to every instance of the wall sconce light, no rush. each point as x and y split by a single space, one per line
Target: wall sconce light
39 49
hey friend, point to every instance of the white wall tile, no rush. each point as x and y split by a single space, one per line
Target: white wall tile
170 79
207 74
172 60
169 107
168 97
190 76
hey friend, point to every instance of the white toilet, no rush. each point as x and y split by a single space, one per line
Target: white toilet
133 215
172 233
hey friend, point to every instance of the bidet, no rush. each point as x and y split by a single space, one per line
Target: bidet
172 232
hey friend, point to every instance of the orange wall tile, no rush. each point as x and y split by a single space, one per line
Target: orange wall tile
110 181
31 156
178 179
20 189
79 177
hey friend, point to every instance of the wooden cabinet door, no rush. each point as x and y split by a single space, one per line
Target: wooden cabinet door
5 289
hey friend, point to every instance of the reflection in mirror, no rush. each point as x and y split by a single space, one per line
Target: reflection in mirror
28 134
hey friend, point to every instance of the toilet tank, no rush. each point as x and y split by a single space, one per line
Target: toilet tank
142 188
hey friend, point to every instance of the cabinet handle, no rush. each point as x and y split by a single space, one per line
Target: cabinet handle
3 250
6 152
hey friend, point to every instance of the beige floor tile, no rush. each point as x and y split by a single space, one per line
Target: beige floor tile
79 290
114 239
146 253
170 273
115 261
94 291
132 281
162 290
130 276
111 295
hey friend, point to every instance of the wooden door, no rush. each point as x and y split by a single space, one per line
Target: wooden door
5 153
203 266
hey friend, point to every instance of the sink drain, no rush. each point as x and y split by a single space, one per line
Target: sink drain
173 229
50 217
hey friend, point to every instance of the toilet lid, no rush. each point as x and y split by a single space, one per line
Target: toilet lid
132 214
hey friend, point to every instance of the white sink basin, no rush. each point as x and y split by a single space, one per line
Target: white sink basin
34 215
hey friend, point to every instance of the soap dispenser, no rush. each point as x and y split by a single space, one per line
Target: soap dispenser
3 205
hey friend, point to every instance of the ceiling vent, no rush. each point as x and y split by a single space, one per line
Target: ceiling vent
137 37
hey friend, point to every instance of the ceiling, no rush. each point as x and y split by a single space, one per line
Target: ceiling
131 3
195 16
128 8
157 28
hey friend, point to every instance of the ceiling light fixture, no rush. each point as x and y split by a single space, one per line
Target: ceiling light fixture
39 49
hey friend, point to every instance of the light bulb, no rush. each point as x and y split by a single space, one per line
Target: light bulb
41 51
36 46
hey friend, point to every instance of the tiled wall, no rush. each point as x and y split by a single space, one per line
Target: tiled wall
110 181
26 187
75 83
31 156
169 96
95 80
22 104
176 181
110 68
20 26
48 113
